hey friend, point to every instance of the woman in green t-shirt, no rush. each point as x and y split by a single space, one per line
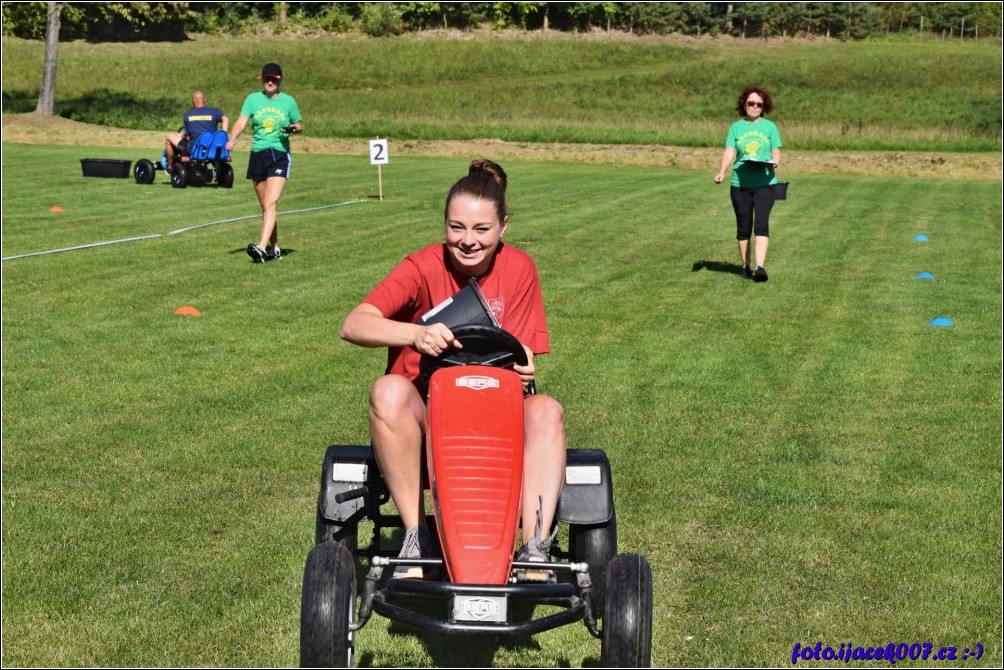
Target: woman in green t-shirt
753 148
274 115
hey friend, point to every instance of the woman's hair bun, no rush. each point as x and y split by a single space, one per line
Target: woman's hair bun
494 170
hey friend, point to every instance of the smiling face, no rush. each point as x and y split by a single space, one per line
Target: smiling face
473 233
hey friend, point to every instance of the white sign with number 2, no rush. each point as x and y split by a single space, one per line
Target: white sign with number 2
378 152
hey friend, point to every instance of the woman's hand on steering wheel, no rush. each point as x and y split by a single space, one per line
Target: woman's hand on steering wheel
481 344
527 371
435 339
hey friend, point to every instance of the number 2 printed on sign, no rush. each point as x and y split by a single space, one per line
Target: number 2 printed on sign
378 152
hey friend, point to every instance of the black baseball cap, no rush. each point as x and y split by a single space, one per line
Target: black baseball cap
271 70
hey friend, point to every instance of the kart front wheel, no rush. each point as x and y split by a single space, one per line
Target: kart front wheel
595 545
627 628
327 607
143 171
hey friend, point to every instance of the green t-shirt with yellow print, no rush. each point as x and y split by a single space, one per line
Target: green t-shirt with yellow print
753 142
268 116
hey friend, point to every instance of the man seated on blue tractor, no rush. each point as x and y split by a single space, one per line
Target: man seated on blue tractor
197 119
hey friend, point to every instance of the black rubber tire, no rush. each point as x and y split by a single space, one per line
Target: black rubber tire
330 531
627 628
328 607
595 545
225 175
143 171
179 176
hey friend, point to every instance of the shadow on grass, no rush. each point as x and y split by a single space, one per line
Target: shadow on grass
106 108
445 651
462 650
716 266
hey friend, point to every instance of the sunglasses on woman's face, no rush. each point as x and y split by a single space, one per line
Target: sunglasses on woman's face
753 103
272 80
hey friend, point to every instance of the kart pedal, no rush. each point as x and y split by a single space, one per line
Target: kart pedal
535 576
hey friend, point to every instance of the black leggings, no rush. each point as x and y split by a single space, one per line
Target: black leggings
746 202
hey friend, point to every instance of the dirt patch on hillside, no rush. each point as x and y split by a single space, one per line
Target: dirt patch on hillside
37 129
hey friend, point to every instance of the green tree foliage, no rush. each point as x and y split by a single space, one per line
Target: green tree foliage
122 21
423 15
101 21
380 19
516 14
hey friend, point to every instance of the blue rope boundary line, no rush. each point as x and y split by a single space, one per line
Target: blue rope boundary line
176 232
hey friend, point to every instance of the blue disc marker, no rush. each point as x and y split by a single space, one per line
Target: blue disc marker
924 275
921 238
941 321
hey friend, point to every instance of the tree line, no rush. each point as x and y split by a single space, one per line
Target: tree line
173 21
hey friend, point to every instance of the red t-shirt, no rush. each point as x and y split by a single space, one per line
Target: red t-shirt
427 277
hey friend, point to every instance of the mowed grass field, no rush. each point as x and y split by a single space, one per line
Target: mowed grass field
801 461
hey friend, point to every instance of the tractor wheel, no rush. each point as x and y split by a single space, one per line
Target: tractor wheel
179 176
627 628
143 171
328 607
595 545
225 175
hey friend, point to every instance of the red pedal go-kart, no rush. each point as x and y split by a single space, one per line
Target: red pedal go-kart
474 457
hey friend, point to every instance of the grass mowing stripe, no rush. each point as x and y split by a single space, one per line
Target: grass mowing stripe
178 231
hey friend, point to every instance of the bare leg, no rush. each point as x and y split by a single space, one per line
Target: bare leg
269 192
761 250
396 417
544 462
170 142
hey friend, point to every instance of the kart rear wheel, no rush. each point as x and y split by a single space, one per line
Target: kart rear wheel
143 171
225 175
627 628
328 607
595 545
179 176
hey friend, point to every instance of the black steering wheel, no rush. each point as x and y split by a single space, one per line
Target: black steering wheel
482 345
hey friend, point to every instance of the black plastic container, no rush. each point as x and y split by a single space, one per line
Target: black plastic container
105 167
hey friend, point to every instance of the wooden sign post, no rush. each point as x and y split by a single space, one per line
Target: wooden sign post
379 156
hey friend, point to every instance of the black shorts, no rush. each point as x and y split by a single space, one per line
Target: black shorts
269 163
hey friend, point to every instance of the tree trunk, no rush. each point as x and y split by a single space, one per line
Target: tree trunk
283 14
47 94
